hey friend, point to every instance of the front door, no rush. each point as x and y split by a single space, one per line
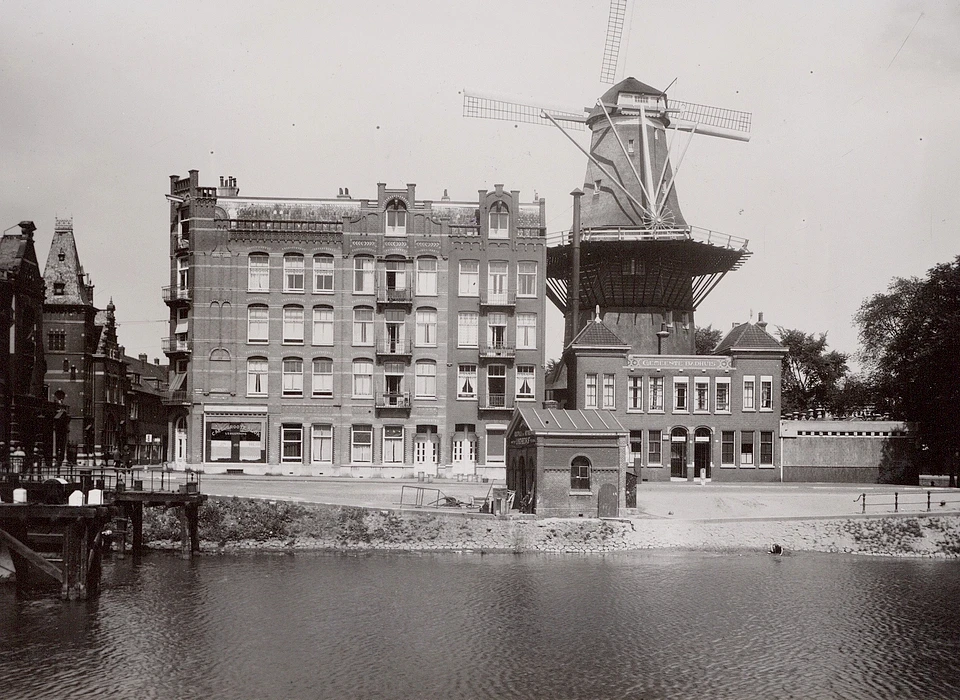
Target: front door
678 453
607 506
701 452
180 444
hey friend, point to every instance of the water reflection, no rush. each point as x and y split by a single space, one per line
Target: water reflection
646 625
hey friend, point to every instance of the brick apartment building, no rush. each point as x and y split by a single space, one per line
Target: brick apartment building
388 336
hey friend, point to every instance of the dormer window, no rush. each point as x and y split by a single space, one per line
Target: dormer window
59 289
396 218
499 221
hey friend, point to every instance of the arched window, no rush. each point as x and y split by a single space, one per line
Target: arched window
580 474
363 325
322 273
293 324
363 274
426 384
499 221
258 323
426 327
293 272
258 272
396 218
427 276
363 378
257 376
322 376
292 376
322 325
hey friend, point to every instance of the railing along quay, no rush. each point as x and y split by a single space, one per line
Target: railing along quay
909 502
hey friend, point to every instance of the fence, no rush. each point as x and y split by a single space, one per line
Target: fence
912 502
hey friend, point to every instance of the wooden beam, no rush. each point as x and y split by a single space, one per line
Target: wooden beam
31 556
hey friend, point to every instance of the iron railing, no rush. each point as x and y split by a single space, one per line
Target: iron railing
910 502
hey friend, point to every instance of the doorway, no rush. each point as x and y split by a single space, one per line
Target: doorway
701 452
678 453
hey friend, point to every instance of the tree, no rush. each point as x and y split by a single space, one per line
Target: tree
707 339
911 343
812 376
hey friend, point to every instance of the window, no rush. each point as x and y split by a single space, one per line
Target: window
723 395
467 382
469 278
258 272
361 444
497 386
322 325
590 393
766 393
654 447
395 279
291 439
656 394
701 394
499 221
257 376
680 401
746 447
426 380
467 322
394 395
59 288
363 379
183 272
393 444
497 271
580 474
426 446
636 447
609 391
293 272
363 326
322 452
465 443
293 324
527 331
635 393
497 330
292 376
393 325
426 327
629 145
749 394
396 218
258 323
427 277
323 273
631 267
496 445
57 340
727 447
363 275
766 447
526 279
526 381
322 377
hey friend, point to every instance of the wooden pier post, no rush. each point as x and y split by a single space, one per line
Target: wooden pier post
135 510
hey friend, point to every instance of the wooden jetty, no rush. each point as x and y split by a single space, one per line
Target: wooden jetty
53 543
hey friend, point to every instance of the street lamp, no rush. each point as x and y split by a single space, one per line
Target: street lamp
661 334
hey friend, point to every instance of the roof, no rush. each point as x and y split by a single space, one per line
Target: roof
67 271
595 335
748 336
631 85
547 421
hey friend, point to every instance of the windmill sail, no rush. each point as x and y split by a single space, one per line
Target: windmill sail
484 107
713 121
611 44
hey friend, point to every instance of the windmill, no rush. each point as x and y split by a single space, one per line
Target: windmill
631 252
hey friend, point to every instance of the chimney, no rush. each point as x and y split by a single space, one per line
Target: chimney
228 187
760 322
143 357
156 361
26 229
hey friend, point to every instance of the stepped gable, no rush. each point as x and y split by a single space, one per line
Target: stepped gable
63 267
748 336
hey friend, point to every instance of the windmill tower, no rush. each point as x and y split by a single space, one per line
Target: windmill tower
631 252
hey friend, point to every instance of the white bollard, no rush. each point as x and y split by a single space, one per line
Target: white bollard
95 497
76 498
19 495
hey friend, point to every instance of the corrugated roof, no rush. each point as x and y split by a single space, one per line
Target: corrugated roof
748 336
583 421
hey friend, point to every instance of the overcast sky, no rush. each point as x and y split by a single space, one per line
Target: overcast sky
849 180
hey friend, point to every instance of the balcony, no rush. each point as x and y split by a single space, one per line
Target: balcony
392 347
497 351
495 402
181 242
176 346
174 294
179 397
501 300
387 296
393 399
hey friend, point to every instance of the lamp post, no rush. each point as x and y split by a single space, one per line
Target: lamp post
661 334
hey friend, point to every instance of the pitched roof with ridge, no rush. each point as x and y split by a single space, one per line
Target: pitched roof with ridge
595 334
748 336
556 421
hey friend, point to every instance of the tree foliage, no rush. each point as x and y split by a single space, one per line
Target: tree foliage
707 339
813 377
910 337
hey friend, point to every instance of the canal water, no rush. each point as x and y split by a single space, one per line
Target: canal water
630 625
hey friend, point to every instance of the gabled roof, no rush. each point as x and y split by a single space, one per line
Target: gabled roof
631 85
597 335
553 421
67 271
748 336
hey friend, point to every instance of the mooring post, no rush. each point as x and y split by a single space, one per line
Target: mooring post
863 508
193 522
184 532
896 499
136 520
66 562
83 570
928 501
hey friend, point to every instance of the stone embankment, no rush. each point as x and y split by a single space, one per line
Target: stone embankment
242 524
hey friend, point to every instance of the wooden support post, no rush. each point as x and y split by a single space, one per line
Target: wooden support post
184 532
136 520
82 550
193 521
18 547
67 555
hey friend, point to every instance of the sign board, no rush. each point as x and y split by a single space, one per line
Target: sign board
689 362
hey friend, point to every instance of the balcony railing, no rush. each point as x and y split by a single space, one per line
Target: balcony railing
176 345
498 351
393 399
387 295
496 402
488 298
179 397
393 346
175 293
